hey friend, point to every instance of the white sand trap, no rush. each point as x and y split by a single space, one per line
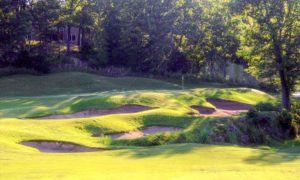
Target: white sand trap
127 109
59 147
144 132
224 108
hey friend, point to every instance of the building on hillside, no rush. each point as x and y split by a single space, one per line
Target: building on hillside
74 35
61 35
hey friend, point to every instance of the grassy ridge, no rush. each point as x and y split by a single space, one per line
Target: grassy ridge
172 111
26 107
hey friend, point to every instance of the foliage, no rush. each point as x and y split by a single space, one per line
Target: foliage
266 106
296 112
147 36
270 41
36 62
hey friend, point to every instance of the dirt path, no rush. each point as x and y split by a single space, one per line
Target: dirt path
224 108
59 147
144 132
127 109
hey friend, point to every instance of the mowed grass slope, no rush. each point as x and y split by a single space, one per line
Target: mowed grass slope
78 83
181 161
74 83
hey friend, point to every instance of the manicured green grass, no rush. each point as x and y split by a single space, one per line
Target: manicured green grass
78 83
74 83
185 161
61 94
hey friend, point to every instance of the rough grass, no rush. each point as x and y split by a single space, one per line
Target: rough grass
182 161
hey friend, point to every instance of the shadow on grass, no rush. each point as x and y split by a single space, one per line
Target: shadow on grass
283 154
165 150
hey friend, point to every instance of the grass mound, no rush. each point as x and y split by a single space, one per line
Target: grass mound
180 101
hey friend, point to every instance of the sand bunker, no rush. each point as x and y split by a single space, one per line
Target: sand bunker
59 147
127 109
204 110
224 108
144 132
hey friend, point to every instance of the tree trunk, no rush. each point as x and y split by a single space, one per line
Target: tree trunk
68 39
79 37
285 91
82 35
224 68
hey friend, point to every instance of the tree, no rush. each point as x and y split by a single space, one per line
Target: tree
84 21
70 9
45 18
270 40
15 25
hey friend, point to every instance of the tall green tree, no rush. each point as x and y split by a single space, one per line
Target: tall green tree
270 40
15 24
45 19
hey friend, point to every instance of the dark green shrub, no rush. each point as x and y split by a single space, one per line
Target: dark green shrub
290 129
266 106
269 118
261 107
252 113
285 118
38 63
296 112
294 130
256 135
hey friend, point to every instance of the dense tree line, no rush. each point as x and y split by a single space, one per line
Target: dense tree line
157 36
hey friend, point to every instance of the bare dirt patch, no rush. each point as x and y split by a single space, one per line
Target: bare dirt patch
59 147
144 132
127 109
224 108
